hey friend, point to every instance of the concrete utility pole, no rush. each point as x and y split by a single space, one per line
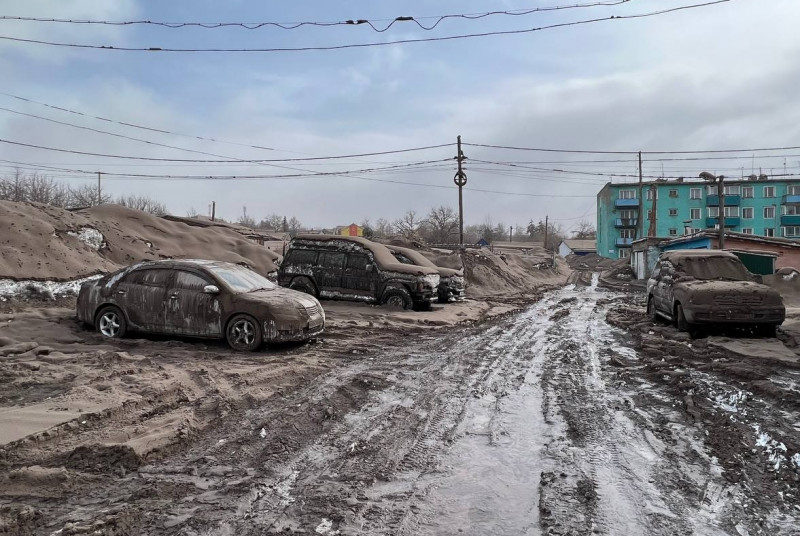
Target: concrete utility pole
213 210
640 221
546 225
461 180
99 191
710 177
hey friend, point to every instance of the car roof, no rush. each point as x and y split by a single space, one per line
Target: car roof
694 253
183 263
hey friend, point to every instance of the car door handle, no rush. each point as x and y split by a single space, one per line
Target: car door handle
122 292
173 297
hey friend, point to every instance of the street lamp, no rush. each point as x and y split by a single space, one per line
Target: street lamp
705 175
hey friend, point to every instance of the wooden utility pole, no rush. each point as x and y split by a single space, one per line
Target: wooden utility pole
461 180
510 233
213 210
721 195
640 220
652 221
99 191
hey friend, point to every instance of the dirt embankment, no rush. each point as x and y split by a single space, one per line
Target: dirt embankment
42 242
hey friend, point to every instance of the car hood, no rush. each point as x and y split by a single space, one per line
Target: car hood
280 296
730 288
449 272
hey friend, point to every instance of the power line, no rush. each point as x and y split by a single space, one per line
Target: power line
580 151
294 25
366 45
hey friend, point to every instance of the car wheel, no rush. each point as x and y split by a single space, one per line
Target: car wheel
680 319
110 322
397 298
243 334
303 284
651 309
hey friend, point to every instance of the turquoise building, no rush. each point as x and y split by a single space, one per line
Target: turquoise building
762 206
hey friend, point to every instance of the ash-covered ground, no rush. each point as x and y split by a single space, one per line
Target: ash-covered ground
572 415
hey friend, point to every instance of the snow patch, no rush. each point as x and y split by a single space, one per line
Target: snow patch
283 489
45 289
730 401
775 450
90 236
326 527
796 460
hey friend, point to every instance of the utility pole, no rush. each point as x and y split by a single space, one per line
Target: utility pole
460 180
546 225
652 223
721 195
510 233
213 210
640 222
99 191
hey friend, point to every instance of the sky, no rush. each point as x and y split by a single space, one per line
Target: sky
718 77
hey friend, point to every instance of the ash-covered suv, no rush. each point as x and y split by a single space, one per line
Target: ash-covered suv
353 268
706 287
451 281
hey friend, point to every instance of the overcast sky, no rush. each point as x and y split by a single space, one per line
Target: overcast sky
717 77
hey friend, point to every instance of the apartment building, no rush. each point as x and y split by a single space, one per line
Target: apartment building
767 207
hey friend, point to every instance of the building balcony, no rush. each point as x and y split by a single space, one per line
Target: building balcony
730 221
791 220
626 222
624 242
730 200
791 200
626 203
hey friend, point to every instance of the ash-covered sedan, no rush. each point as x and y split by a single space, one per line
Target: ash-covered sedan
199 298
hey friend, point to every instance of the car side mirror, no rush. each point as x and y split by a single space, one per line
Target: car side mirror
211 289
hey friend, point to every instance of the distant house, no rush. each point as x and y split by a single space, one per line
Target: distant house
482 243
577 247
350 230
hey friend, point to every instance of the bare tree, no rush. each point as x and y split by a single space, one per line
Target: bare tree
585 231
13 189
42 189
408 225
382 228
273 222
143 203
442 225
294 226
87 196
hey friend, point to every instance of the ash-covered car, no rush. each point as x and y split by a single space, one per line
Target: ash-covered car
709 287
451 282
199 298
357 269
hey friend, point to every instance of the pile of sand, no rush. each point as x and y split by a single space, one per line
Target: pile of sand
41 242
593 262
490 275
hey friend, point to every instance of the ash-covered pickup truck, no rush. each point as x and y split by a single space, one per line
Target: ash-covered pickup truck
354 268
704 287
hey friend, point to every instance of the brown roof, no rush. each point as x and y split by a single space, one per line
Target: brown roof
581 245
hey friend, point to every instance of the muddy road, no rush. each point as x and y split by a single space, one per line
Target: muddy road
574 416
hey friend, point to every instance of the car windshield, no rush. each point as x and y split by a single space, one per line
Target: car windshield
715 268
241 279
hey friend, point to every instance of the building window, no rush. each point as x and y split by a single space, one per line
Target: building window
627 233
713 212
732 190
769 212
747 213
694 213
627 214
769 191
747 191
733 212
695 230
791 232
794 189
673 232
673 212
769 231
673 193
627 194
652 193
791 210
747 230
696 193
624 253
711 189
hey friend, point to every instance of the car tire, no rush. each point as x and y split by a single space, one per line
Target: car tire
110 322
651 309
680 319
243 334
303 284
766 330
397 298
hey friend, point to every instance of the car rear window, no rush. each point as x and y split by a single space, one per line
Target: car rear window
157 277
